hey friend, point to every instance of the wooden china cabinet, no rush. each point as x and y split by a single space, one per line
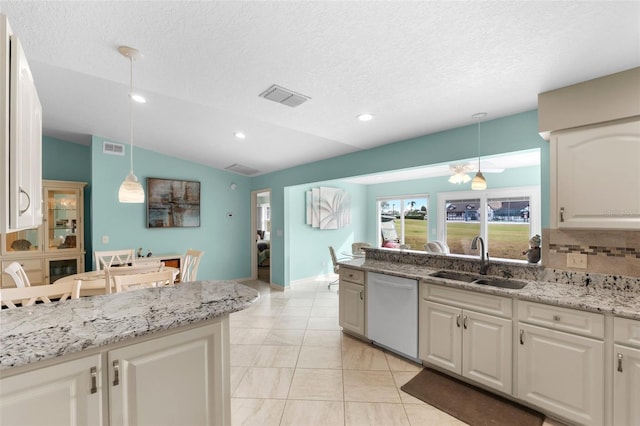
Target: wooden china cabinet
54 249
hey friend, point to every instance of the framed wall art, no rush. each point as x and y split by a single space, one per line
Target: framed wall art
173 203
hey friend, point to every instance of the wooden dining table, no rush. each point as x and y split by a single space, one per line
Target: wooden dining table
93 282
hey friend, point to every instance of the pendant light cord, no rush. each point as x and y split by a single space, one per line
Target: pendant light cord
131 112
478 144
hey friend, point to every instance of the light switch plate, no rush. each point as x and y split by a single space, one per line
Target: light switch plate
577 260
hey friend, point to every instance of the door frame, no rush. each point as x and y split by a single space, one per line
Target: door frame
254 229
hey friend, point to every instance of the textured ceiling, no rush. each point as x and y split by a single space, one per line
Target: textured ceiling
419 67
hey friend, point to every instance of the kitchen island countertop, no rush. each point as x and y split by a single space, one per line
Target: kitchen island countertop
570 295
45 331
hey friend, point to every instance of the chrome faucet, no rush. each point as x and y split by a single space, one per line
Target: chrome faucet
484 264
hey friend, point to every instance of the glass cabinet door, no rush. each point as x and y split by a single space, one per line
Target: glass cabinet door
61 224
23 242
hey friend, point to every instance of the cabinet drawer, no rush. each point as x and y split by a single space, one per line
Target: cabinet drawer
571 320
479 302
353 275
626 331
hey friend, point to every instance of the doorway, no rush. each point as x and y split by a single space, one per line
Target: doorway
261 230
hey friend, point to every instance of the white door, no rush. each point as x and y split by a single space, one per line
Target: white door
171 380
562 373
441 335
598 178
66 394
626 386
487 350
351 307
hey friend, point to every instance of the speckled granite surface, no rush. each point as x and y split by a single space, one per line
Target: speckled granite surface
39 332
590 292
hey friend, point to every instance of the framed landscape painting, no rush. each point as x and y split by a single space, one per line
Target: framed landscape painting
173 203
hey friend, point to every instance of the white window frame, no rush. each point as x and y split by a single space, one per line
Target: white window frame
402 198
535 213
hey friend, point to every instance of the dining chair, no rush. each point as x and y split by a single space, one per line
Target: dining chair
189 267
336 266
18 274
27 296
143 280
107 259
356 248
141 268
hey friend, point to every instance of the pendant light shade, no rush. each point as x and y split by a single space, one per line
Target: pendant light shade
479 182
130 190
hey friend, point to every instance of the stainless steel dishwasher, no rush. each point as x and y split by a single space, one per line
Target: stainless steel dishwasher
392 313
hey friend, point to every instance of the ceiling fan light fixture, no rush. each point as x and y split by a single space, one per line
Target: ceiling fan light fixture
479 182
130 189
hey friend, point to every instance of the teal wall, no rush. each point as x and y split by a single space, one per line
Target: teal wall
513 133
307 248
62 160
225 241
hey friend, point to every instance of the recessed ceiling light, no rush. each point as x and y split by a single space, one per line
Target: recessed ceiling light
239 135
365 117
138 98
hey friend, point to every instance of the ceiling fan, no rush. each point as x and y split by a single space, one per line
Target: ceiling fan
459 172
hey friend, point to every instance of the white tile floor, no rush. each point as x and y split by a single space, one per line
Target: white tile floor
291 365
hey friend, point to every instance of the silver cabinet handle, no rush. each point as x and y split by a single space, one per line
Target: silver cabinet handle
556 317
361 294
620 363
464 322
94 379
22 191
116 373
561 214
458 320
522 337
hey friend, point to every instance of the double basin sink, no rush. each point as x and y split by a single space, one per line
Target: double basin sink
480 280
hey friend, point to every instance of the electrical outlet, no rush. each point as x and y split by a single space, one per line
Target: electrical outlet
105 239
577 260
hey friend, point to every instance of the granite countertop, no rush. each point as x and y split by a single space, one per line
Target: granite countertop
34 333
570 295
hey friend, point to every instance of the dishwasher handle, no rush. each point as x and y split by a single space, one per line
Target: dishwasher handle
398 286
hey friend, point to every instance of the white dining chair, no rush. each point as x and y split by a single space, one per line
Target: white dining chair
143 280
189 267
107 259
142 268
18 274
26 296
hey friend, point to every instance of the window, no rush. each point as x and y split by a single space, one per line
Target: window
403 221
505 218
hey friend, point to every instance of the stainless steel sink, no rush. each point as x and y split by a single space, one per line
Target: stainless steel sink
456 276
497 282
475 279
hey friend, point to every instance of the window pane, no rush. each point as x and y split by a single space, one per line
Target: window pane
462 224
389 226
508 230
415 223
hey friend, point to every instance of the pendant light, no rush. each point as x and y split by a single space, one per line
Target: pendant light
130 190
479 182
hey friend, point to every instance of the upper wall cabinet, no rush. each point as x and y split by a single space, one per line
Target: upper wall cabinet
596 176
20 138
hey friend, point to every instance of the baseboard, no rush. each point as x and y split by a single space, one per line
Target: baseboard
279 287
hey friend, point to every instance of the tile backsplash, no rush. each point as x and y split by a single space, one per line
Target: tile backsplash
608 252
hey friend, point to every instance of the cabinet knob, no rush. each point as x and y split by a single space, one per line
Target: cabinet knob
116 373
464 322
561 214
23 211
556 317
458 320
361 294
94 379
522 337
620 363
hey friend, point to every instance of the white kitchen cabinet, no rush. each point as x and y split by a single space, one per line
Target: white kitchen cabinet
20 138
560 371
473 344
65 394
595 176
626 372
175 379
352 301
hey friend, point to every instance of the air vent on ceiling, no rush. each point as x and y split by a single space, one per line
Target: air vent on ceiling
243 170
112 148
284 96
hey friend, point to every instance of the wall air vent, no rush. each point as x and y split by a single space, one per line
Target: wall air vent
284 96
112 148
243 170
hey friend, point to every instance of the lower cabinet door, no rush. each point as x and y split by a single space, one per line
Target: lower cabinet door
351 307
441 335
64 394
172 380
626 385
562 373
487 350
